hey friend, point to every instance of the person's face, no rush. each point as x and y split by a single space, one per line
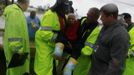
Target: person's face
91 16
105 19
128 21
71 19
33 14
26 6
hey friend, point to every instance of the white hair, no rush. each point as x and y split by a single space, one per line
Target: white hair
71 14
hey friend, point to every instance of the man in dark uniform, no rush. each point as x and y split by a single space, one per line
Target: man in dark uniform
112 43
88 24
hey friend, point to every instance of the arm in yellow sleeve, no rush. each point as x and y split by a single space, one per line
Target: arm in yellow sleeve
86 50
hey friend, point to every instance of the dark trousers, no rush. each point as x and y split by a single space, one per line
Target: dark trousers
2 62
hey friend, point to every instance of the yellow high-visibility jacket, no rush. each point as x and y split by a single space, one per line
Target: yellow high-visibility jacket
84 61
129 70
15 37
44 37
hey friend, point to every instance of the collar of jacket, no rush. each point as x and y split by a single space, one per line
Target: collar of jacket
19 7
16 6
113 24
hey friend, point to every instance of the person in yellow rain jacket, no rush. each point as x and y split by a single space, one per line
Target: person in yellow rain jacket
16 35
84 61
52 23
130 59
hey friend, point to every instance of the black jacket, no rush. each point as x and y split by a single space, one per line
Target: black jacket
113 44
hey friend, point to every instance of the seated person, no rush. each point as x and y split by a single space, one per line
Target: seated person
70 37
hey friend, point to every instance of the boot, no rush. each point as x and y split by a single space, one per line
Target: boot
58 51
70 66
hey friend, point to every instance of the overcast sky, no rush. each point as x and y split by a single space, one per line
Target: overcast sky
82 6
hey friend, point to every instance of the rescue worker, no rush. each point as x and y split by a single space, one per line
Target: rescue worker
33 23
84 61
84 31
130 58
113 43
16 39
52 25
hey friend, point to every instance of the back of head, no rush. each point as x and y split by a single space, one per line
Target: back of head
60 5
71 3
23 4
71 9
126 15
110 9
23 1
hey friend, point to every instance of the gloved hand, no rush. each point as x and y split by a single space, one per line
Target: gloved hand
58 50
70 66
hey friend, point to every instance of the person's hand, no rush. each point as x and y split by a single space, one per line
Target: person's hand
33 26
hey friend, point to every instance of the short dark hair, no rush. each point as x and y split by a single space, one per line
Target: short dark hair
126 15
71 3
110 9
22 1
96 10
